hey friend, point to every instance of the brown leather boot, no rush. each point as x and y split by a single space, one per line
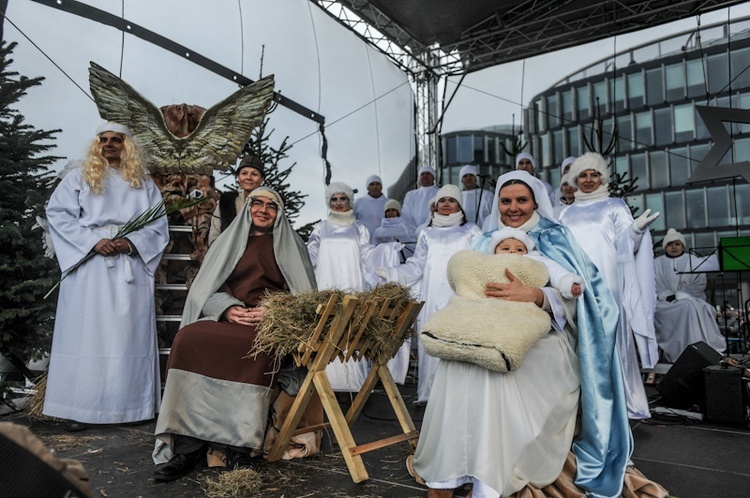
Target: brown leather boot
439 493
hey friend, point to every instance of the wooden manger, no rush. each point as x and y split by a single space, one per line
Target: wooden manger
341 335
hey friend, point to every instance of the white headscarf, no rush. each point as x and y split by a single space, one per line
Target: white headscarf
113 127
566 161
544 206
445 220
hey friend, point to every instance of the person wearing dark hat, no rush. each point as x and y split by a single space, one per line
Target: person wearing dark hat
682 316
250 175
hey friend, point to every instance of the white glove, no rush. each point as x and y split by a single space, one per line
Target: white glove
398 246
644 220
381 272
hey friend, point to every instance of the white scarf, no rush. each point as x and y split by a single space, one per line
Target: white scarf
530 223
342 219
602 192
447 220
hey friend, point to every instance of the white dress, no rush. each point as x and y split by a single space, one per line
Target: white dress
688 318
604 229
477 209
104 365
427 270
370 210
501 431
344 259
416 207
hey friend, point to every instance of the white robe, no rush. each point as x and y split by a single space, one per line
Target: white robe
476 210
604 229
344 259
416 207
395 230
500 431
370 210
688 318
104 365
427 269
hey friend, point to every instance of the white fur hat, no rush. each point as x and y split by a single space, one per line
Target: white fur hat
337 188
468 169
671 236
449 191
373 178
113 127
525 155
510 233
392 204
566 161
590 160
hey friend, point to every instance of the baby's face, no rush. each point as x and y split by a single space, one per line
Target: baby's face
511 246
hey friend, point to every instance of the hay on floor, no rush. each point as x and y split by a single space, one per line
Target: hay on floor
239 483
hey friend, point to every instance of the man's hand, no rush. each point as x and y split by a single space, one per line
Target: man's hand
106 247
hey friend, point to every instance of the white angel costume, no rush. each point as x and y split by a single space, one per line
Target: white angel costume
344 259
369 210
427 269
688 318
104 365
417 202
605 230
476 203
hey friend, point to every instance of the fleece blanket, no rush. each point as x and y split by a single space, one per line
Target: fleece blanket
492 333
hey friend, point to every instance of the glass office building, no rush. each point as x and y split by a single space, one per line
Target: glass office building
485 148
650 93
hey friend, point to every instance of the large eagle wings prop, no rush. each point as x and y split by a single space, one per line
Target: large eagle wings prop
215 143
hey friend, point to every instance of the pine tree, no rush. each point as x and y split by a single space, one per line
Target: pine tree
25 181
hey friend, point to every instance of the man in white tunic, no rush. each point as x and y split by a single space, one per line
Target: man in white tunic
477 202
104 366
369 208
682 316
417 202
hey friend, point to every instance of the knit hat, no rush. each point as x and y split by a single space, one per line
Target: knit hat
113 127
373 178
590 160
251 161
449 191
339 187
392 204
566 161
428 169
671 236
469 169
525 155
510 233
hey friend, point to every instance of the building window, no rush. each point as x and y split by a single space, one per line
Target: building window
718 73
638 171
679 166
663 126
635 90
697 153
574 140
566 102
701 132
618 92
659 171
451 150
695 203
492 150
740 68
583 99
654 87
741 150
655 203
553 114
479 155
675 82
718 206
600 98
542 158
541 120
465 149
705 241
674 204
643 130
636 202
557 147
696 85
684 123
741 195
621 165
625 133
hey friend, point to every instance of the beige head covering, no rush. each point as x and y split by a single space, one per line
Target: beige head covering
671 236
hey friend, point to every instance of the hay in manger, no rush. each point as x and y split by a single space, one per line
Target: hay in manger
290 323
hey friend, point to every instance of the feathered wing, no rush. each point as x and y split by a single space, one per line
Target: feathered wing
216 142
121 103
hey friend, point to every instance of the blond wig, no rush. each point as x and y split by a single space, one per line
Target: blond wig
132 164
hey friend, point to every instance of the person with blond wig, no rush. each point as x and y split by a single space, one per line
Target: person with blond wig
104 364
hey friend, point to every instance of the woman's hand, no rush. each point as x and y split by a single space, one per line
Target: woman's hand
515 290
245 316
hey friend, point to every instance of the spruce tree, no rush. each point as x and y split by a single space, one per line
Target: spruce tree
26 274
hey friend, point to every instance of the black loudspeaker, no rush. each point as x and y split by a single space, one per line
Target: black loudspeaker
683 385
726 395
